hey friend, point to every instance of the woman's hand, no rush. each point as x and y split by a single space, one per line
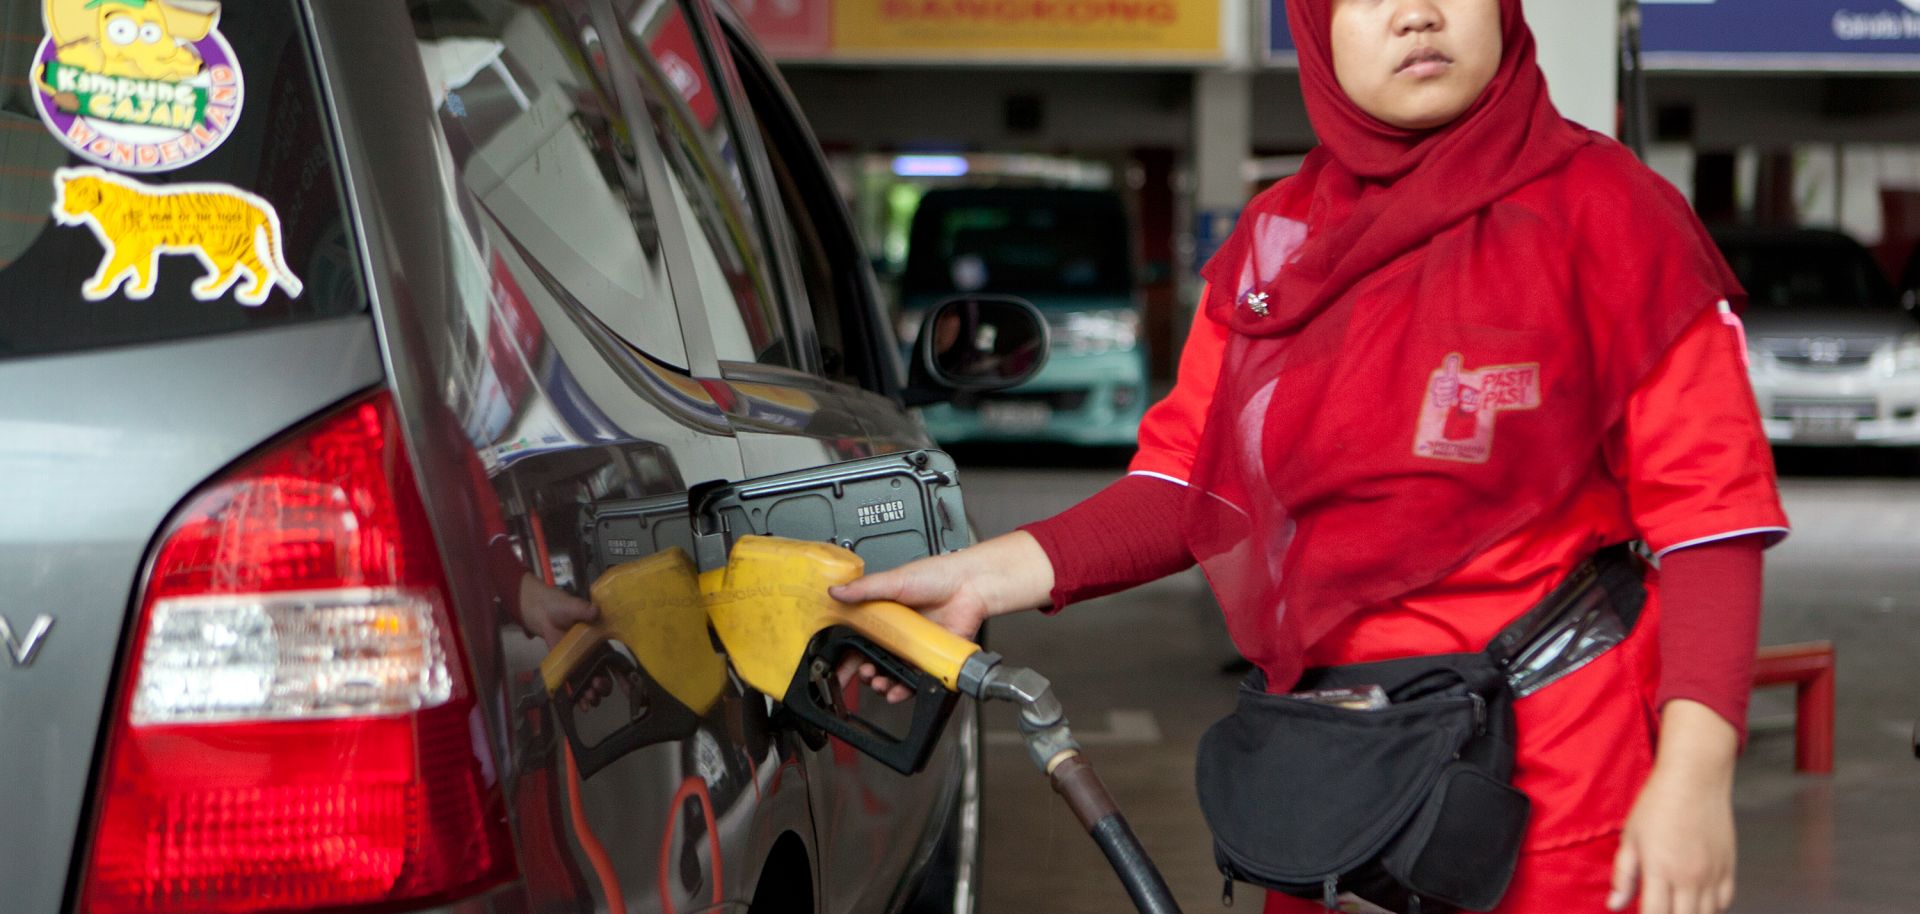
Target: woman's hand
547 612
1678 847
959 590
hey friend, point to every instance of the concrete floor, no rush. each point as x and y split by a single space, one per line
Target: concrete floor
1140 674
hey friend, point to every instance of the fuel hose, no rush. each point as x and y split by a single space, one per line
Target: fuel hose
1074 779
1051 747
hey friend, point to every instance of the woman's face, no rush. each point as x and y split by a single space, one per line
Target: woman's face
1415 64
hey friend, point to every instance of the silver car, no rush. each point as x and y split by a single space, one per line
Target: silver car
345 347
1833 353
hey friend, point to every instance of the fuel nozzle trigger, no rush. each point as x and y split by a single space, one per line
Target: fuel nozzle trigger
650 649
644 713
819 697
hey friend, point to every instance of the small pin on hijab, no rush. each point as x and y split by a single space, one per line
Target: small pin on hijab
1257 301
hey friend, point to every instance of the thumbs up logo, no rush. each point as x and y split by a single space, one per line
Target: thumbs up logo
1446 383
1458 412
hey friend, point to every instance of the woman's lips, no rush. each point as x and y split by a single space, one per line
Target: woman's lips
1424 63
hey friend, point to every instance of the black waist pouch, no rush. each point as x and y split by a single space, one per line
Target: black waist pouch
1408 806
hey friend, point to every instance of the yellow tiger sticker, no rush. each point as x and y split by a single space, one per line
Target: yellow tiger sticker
231 231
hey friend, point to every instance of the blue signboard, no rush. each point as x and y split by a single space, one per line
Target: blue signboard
1279 37
1761 35
1781 34
1210 230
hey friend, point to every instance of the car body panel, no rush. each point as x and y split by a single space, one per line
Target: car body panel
135 430
543 368
504 363
645 432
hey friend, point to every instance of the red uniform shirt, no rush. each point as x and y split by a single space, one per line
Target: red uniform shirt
1687 464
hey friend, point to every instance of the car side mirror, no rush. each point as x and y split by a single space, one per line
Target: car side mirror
975 343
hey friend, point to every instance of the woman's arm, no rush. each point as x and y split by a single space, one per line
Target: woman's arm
1678 846
1126 534
1700 483
961 590
1710 626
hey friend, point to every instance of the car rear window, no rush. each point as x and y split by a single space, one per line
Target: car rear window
1034 244
166 171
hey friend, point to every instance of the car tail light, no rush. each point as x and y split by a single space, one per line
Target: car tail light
297 730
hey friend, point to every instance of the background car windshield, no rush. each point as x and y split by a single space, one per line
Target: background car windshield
1039 244
1809 275
274 155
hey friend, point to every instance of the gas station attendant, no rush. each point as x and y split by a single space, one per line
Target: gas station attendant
1466 347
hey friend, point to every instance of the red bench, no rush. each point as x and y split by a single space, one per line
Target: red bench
1809 667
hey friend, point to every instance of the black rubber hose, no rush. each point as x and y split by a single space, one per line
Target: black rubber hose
1073 777
1137 872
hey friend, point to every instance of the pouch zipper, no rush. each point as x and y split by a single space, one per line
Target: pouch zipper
1329 891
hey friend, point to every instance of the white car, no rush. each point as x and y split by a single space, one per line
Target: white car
1834 353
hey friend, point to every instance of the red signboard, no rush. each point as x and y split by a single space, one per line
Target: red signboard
672 46
789 29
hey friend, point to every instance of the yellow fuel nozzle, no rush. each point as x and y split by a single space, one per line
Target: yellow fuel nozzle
771 600
780 628
654 608
650 645
787 638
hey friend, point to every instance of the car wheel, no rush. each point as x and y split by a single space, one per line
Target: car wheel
1908 462
786 881
952 881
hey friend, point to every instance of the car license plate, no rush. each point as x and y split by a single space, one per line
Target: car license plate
1824 425
1014 417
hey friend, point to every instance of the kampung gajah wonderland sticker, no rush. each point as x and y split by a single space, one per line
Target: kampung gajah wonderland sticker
232 232
137 85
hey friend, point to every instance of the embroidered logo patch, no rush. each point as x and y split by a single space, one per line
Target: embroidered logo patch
1459 407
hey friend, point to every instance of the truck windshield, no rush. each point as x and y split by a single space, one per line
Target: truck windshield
166 171
1027 242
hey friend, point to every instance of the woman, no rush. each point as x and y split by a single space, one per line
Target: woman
1469 345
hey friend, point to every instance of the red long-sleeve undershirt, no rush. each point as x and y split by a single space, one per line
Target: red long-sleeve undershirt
1709 593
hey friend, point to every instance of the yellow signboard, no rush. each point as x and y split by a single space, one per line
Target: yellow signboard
1028 29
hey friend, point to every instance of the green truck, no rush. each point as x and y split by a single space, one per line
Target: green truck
1070 253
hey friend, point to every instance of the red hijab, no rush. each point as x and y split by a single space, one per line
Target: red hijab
1403 298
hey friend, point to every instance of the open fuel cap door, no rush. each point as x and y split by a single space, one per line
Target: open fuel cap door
886 510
